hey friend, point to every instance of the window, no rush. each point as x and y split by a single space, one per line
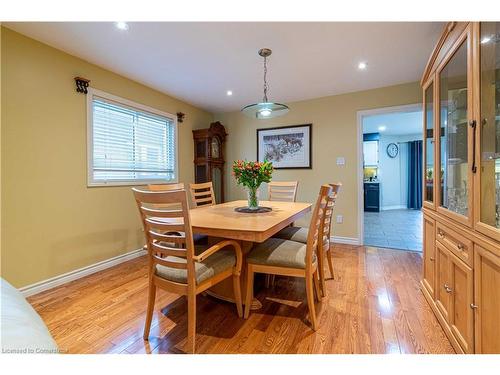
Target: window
129 143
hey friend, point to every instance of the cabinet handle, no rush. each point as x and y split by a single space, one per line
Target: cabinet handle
472 306
472 124
431 259
447 288
460 246
440 234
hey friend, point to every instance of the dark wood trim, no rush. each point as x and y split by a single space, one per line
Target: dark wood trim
290 127
216 130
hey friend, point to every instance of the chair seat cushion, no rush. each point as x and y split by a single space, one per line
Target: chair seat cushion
298 234
211 266
279 252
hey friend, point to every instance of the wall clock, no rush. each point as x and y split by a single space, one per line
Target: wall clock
392 150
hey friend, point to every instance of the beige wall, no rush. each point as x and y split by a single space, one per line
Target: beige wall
333 134
52 222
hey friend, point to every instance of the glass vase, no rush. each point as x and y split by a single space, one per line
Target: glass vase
253 198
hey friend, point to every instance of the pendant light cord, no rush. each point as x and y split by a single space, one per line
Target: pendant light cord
265 80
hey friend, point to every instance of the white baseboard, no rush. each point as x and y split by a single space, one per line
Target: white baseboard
79 273
345 240
386 208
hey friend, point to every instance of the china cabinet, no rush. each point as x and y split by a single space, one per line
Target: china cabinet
461 192
486 295
429 261
488 127
429 139
209 157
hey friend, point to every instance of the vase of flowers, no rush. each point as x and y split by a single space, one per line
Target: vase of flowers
253 198
251 174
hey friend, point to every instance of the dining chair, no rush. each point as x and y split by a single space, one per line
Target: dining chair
175 264
202 194
299 234
281 191
199 239
277 256
284 191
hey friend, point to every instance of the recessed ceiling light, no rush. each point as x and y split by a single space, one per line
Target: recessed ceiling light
382 128
121 25
485 40
229 93
362 66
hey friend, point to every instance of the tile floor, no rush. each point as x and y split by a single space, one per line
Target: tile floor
397 229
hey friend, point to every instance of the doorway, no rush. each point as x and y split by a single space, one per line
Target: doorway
390 177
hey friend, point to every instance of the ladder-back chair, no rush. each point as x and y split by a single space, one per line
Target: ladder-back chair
174 263
277 256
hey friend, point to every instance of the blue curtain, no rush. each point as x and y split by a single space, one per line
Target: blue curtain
415 165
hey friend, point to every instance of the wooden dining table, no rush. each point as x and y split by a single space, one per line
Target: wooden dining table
221 221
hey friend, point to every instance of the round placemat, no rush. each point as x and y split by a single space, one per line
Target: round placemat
247 210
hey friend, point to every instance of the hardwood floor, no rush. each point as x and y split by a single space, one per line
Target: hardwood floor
374 305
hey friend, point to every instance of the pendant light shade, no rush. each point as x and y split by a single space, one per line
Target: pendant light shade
261 111
265 109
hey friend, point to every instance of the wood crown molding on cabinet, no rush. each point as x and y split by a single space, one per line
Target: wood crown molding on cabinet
438 49
432 58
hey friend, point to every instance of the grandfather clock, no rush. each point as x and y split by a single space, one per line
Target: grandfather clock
209 157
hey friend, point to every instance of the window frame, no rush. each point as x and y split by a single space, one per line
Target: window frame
91 182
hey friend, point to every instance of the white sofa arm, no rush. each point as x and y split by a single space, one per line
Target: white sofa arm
23 331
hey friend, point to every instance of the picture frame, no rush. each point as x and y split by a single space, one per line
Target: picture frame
287 147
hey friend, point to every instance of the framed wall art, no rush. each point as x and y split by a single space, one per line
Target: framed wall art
287 147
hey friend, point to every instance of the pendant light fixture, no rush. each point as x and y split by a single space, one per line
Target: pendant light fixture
266 109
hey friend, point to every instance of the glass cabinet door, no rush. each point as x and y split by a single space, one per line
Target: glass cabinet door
489 153
453 115
429 144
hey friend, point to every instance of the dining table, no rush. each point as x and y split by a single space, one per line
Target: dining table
222 221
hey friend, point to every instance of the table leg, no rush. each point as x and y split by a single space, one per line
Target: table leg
224 289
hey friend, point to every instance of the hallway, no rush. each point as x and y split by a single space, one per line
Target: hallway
397 229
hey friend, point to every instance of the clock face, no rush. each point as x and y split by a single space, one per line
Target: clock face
392 150
215 148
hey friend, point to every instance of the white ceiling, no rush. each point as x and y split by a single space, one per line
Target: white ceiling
397 123
199 62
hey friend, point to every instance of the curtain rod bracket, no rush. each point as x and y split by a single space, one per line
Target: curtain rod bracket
180 117
82 84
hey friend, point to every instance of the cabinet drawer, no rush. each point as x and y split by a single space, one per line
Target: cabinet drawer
455 242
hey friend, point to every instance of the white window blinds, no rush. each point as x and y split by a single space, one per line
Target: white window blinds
130 145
